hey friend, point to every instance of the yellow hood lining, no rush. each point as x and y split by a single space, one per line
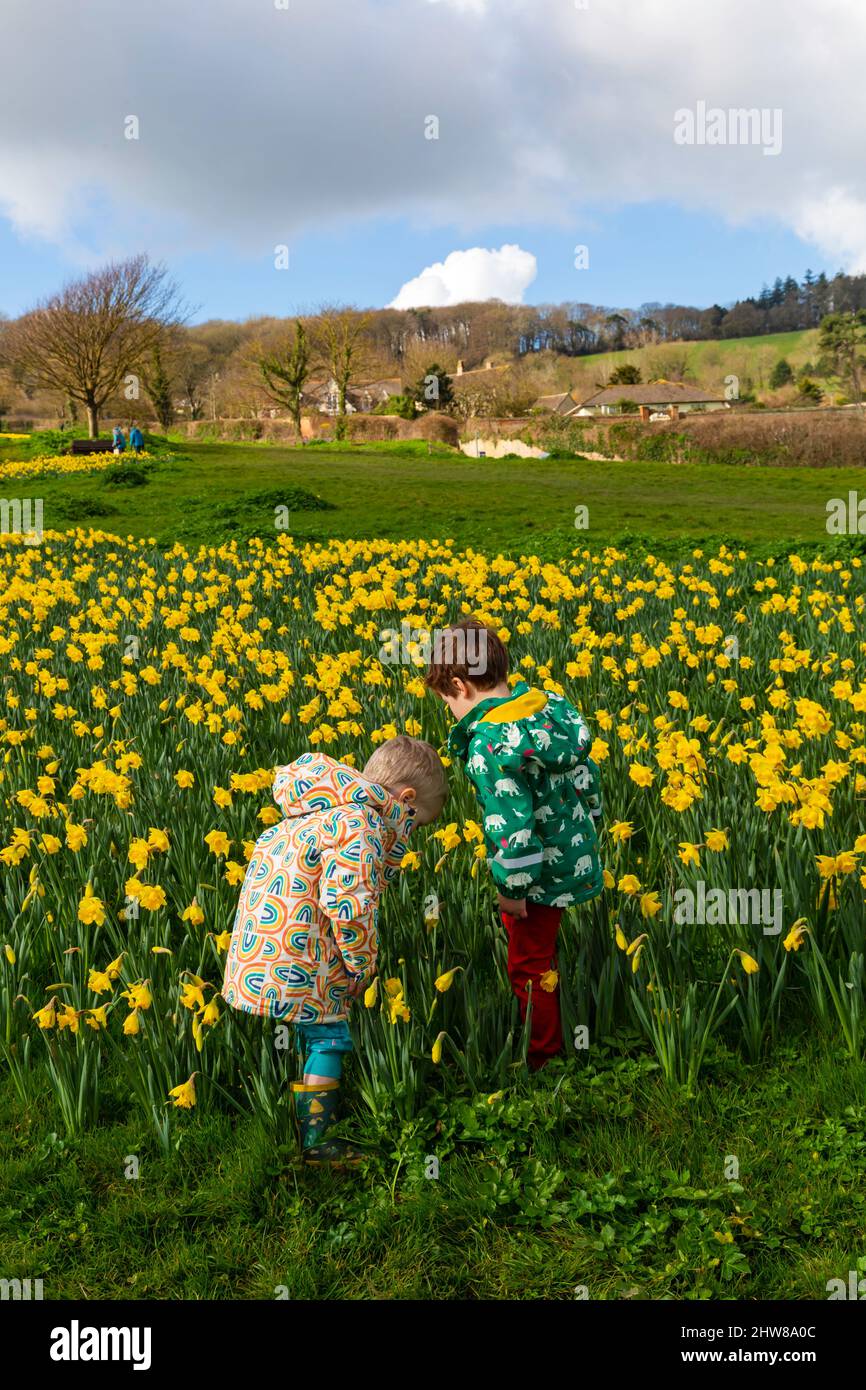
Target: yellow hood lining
521 707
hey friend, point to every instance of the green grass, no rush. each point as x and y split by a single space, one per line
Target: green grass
213 492
584 1176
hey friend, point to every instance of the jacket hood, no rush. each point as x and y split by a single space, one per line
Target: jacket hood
527 724
314 783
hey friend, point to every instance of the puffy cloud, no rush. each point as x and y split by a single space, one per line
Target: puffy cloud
259 124
470 275
836 223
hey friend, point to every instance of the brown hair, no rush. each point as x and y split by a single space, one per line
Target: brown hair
467 651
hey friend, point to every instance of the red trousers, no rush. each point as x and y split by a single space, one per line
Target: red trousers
531 954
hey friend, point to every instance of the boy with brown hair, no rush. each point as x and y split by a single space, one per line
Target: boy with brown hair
526 752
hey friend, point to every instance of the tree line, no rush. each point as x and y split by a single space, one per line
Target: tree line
122 334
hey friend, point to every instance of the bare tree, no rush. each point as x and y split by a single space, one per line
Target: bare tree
339 336
86 339
285 370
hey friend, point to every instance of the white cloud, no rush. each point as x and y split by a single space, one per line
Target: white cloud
260 124
470 275
836 222
473 6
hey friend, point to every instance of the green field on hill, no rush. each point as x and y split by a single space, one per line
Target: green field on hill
709 362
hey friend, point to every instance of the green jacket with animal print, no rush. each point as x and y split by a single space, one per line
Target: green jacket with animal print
527 755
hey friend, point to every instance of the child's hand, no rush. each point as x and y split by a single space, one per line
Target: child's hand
514 907
357 987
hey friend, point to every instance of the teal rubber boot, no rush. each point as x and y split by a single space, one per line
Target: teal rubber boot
315 1111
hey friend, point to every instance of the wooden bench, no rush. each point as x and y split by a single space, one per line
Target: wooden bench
92 446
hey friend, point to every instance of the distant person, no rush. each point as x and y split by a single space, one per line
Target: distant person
118 440
136 438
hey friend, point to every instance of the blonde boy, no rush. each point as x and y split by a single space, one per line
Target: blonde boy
305 934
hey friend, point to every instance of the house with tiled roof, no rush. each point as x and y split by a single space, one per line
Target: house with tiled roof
562 403
360 398
670 398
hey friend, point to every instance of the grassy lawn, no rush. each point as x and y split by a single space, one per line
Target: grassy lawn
213 492
586 1176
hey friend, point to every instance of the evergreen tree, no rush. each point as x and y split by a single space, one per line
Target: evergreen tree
157 384
808 299
627 374
433 390
843 337
781 375
810 390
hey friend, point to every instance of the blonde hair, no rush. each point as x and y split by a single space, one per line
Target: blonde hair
410 762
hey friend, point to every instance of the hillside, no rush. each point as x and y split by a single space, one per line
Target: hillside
705 363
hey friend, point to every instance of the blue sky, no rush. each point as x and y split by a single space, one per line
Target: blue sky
307 125
649 252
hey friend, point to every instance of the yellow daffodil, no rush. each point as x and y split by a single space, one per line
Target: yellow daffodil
641 776
113 968
184 1095
621 830
151 896
716 840
796 936
650 905
444 982
218 843
46 1017
76 837
138 853
749 964
139 996
91 910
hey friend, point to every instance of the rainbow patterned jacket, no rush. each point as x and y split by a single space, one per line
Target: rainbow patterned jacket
305 926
